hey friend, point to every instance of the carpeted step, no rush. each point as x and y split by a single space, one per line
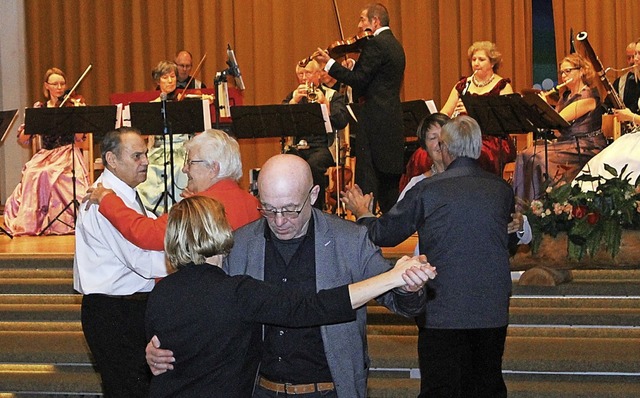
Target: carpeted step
527 386
64 347
27 273
45 380
40 326
40 298
40 312
36 261
515 330
36 286
545 311
545 354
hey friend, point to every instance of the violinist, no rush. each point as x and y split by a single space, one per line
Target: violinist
184 61
151 191
46 186
315 149
376 79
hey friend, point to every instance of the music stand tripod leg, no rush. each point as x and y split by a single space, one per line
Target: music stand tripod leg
73 201
4 231
168 167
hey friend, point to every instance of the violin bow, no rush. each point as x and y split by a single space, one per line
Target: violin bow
193 75
66 97
335 9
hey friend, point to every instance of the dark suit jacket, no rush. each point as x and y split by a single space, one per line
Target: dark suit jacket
461 217
377 78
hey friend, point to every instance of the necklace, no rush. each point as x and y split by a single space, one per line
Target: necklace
484 83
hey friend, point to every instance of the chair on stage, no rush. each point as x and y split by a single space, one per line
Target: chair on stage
85 146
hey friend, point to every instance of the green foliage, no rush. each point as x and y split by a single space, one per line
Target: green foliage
591 218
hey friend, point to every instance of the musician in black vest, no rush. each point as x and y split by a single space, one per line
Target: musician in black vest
376 79
627 86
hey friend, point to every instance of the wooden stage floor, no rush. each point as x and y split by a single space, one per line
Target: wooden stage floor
62 246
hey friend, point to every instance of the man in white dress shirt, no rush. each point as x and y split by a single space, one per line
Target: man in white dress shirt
114 275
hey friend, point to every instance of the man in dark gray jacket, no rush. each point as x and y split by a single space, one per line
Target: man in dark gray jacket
461 216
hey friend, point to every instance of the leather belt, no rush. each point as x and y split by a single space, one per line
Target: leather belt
140 296
294 389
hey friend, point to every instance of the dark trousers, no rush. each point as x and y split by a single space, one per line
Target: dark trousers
461 363
114 330
385 186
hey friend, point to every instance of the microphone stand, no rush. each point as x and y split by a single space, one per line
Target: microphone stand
220 78
74 201
164 198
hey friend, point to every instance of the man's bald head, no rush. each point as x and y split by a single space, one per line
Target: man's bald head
285 184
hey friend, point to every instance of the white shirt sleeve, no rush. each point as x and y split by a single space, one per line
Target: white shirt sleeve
525 235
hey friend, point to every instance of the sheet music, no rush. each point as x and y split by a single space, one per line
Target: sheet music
125 120
119 112
206 115
431 105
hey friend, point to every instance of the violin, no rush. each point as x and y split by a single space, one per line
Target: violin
70 95
70 99
341 48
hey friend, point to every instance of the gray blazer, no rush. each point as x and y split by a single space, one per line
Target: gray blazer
344 254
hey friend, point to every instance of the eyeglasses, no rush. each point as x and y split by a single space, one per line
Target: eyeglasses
185 66
190 163
567 71
57 84
288 214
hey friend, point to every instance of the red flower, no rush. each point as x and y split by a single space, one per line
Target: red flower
593 218
580 211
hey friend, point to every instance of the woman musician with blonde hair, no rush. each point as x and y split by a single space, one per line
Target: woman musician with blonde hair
485 59
580 106
46 187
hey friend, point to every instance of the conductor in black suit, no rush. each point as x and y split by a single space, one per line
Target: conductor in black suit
376 79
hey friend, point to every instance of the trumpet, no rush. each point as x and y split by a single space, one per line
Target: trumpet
312 93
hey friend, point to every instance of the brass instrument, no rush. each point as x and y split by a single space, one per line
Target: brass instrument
312 93
628 68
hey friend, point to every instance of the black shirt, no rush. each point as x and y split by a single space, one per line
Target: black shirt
293 355
631 92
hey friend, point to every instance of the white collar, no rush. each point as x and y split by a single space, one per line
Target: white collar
382 29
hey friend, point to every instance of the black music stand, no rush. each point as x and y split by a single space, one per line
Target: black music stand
412 114
70 120
267 121
513 113
178 117
7 118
